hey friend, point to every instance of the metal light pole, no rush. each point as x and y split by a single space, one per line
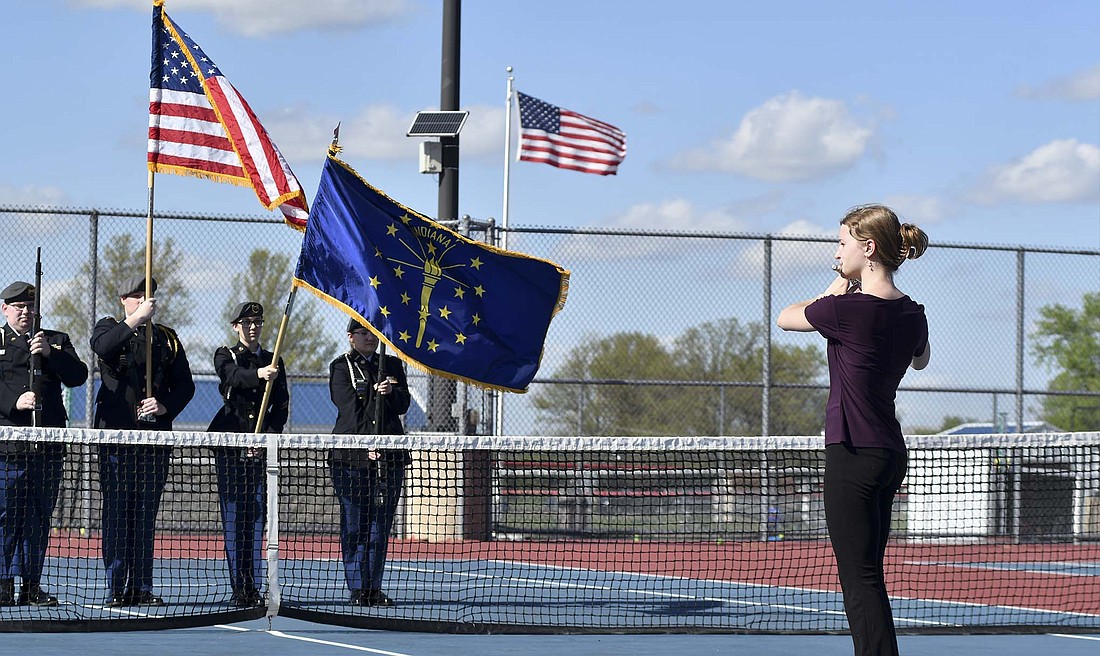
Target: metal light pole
442 393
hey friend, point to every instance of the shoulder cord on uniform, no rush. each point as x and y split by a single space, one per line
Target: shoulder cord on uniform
353 368
124 362
229 388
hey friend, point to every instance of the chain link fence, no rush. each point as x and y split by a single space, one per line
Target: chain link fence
663 332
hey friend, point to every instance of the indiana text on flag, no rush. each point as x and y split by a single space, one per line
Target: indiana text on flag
199 125
566 139
445 303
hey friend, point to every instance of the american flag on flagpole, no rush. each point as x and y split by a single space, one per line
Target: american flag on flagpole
199 125
566 139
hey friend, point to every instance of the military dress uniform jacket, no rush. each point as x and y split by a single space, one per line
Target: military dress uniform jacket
121 353
351 387
242 391
61 367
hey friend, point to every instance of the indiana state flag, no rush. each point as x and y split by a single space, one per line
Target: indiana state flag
449 305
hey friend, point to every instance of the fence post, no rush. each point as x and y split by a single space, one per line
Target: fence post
766 388
93 370
1019 340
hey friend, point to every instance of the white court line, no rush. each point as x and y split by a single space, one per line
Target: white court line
531 582
1074 637
329 643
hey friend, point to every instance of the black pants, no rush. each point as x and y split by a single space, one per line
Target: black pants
860 484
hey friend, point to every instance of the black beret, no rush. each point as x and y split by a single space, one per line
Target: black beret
353 324
246 309
18 292
134 285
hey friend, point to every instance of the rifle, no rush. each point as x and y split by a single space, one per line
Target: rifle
36 327
379 401
379 416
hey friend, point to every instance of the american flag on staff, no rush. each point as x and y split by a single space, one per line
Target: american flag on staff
199 125
568 140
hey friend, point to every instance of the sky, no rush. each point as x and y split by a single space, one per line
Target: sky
979 121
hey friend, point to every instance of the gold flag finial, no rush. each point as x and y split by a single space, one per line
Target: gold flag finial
335 147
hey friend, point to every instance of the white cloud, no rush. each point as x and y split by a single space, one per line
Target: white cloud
30 224
792 259
377 132
789 137
677 214
1081 86
917 208
804 228
483 134
1061 171
264 17
32 196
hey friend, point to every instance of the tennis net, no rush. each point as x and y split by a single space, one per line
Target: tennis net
550 534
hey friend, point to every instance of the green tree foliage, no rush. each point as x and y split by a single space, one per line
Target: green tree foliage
711 377
266 280
949 421
1068 340
123 256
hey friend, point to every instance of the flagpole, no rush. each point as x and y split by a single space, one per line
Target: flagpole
149 291
262 414
507 157
498 414
274 595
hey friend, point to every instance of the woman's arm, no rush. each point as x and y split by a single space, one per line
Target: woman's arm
793 317
921 361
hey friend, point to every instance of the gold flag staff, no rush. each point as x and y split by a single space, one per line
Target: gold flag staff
149 293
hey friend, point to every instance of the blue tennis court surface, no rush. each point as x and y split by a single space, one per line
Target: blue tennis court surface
495 592
289 637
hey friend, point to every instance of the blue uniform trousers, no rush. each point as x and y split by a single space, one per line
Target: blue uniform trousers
29 484
132 480
242 499
368 502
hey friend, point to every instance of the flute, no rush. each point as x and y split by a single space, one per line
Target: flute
853 283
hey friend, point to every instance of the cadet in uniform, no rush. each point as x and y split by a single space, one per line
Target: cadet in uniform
30 472
244 370
132 477
367 482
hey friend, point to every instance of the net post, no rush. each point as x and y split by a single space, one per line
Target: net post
272 474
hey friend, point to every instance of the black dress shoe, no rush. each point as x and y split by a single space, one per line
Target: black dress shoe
117 600
145 599
378 598
7 592
32 594
247 598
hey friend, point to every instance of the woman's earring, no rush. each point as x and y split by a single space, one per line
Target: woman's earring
871 265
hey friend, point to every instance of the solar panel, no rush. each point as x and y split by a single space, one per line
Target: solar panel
437 124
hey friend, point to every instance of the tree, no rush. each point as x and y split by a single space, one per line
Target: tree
726 351
266 280
121 258
614 409
714 353
948 421
1070 341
